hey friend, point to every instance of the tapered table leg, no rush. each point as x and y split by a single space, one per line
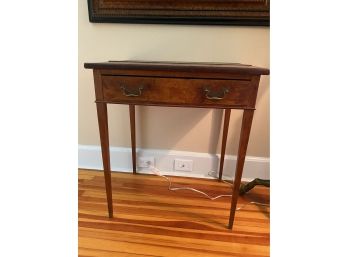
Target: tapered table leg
132 127
243 144
104 141
224 139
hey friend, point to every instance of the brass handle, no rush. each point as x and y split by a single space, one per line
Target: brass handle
216 94
132 91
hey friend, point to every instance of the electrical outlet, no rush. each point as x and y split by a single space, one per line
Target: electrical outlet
146 162
183 165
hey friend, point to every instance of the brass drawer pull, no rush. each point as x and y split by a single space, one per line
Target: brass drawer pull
216 94
132 91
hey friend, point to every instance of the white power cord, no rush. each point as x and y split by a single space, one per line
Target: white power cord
211 175
171 188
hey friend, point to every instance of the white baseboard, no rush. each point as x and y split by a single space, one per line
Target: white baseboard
203 163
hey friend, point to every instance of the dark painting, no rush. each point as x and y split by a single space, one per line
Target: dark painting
213 12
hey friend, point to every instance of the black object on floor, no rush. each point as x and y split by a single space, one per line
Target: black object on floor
244 188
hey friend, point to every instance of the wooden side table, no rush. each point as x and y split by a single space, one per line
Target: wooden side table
204 85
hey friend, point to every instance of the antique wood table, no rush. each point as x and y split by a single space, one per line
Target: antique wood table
205 85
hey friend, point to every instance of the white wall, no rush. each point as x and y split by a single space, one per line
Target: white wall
195 130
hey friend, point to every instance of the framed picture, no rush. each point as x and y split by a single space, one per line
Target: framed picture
205 12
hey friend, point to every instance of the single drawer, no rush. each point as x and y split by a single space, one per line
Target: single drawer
178 91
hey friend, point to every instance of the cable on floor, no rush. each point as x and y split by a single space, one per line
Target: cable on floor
171 188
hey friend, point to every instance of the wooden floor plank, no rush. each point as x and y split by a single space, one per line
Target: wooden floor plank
150 220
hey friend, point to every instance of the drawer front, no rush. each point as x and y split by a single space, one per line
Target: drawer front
178 91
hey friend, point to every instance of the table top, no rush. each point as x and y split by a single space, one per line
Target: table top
180 66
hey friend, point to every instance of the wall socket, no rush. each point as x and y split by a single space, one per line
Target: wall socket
146 162
183 165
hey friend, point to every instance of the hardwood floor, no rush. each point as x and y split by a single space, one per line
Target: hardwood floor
149 220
